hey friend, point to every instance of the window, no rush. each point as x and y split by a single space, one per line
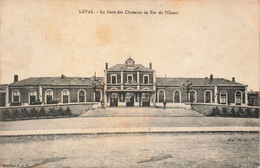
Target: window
192 96
223 97
32 96
98 95
207 97
177 97
81 96
113 79
161 96
49 96
16 96
65 96
130 79
238 98
146 79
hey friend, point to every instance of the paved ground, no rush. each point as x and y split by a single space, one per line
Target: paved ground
126 122
183 118
142 112
132 150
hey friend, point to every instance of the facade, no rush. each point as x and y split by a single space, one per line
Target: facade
130 84
126 84
254 98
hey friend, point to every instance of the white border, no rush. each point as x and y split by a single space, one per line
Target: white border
45 95
62 95
220 97
29 102
235 98
132 78
111 78
210 96
13 95
174 96
148 79
100 95
195 96
159 94
85 95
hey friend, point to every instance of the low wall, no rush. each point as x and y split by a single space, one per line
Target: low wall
173 105
74 108
207 109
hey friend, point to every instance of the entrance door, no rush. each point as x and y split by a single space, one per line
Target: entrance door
114 100
146 99
130 100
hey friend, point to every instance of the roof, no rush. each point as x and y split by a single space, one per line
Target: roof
56 81
196 82
123 67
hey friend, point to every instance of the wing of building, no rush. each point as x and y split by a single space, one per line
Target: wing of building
126 84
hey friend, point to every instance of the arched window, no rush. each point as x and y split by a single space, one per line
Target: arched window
82 96
48 96
177 97
65 96
207 96
238 98
223 97
161 97
16 96
32 96
192 96
98 96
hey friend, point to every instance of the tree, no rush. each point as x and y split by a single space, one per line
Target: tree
187 86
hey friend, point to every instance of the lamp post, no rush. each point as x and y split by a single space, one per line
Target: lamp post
187 86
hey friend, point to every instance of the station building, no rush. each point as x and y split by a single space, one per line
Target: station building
127 85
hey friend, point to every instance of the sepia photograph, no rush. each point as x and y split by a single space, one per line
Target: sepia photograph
129 84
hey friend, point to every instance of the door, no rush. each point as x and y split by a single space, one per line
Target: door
146 99
130 99
114 100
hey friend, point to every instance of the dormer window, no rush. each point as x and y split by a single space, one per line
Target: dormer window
130 62
113 79
146 79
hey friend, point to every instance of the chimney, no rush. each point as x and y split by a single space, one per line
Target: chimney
233 79
95 75
106 65
62 76
211 77
151 66
15 78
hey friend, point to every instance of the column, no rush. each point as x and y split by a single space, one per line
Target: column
122 80
105 87
138 77
7 104
154 80
215 94
246 97
40 93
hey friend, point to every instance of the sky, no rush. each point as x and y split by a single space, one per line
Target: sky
43 38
